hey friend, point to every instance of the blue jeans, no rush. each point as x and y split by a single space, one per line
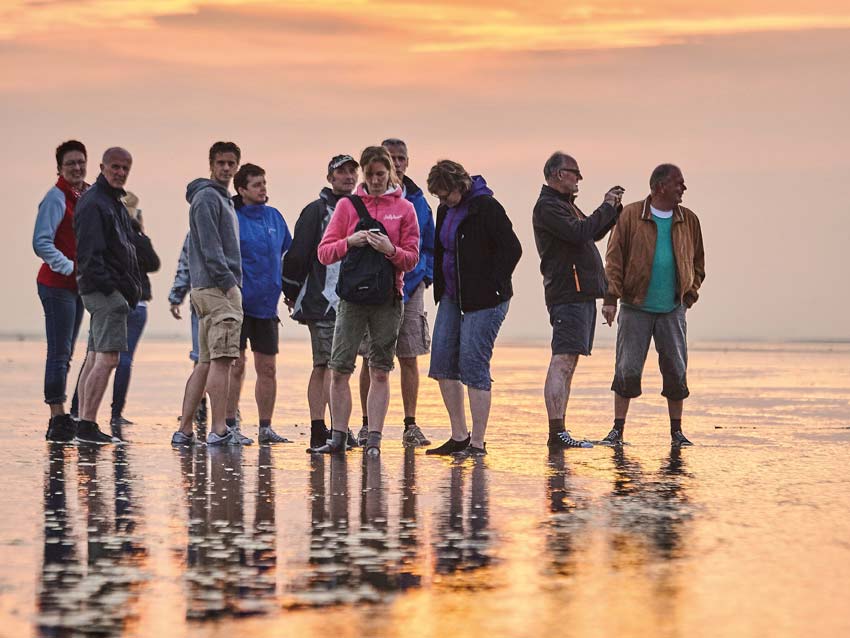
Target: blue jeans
463 343
63 313
135 326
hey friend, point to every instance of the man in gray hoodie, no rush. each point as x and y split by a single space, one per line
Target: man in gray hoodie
215 270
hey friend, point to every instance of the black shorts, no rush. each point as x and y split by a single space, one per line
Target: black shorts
573 326
261 332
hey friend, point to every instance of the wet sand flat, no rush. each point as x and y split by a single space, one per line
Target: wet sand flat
744 534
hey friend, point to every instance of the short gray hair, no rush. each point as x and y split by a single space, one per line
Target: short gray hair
554 163
394 141
661 174
109 153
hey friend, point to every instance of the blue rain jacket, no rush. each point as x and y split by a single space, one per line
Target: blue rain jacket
264 239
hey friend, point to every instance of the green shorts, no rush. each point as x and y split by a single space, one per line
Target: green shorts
352 322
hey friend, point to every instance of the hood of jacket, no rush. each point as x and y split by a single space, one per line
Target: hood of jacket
197 185
394 192
479 188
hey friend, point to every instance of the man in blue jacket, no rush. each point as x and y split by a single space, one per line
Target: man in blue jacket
414 337
263 239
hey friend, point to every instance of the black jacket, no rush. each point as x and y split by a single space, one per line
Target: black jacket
569 260
302 270
106 258
487 252
146 256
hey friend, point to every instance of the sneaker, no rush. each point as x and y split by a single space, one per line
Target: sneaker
352 440
449 447
362 436
240 438
88 432
414 437
564 440
470 451
61 428
678 439
222 439
119 421
614 437
319 435
327 448
267 435
178 438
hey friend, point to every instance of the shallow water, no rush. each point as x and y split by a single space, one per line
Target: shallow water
744 534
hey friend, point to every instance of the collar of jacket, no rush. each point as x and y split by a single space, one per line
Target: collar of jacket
117 193
410 186
63 185
548 190
329 197
646 215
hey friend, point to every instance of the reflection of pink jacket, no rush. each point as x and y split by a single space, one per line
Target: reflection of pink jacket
391 209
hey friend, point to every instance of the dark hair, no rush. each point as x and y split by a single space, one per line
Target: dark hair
224 147
661 174
448 176
67 147
554 163
244 175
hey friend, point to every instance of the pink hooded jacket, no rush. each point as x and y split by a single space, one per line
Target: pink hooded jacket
391 209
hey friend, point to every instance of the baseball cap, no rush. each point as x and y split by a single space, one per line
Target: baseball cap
339 160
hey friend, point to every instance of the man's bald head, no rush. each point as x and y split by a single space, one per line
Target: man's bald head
115 166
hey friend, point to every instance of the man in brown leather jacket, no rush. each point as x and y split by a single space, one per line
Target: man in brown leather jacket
655 265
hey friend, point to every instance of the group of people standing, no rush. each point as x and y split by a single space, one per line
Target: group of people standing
355 271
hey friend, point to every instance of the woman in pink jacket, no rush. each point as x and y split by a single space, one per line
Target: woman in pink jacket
382 196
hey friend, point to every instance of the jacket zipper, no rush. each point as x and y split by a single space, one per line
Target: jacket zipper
575 276
457 266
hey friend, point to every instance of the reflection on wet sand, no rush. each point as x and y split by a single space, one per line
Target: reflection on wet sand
228 570
99 597
462 546
569 512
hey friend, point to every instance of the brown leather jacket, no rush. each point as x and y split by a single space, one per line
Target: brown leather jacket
631 249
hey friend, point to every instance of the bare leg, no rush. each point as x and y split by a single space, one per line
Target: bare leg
452 391
379 399
265 390
479 406
56 409
218 381
674 408
559 378
409 385
234 390
621 406
192 396
96 382
365 381
317 392
340 400
81 382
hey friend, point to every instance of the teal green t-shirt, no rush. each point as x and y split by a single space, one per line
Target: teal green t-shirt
661 295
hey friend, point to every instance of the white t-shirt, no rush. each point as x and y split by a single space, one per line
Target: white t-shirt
663 214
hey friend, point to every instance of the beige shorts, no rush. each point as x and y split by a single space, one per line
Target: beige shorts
219 322
414 336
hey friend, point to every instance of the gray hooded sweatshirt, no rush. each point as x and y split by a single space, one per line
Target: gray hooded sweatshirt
215 260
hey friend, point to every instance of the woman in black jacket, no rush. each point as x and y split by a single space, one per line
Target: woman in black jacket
475 254
136 320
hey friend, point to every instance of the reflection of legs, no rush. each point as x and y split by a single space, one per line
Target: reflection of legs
235 382
96 382
192 395
479 407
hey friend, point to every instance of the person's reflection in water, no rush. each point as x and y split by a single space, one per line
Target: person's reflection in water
568 515
455 550
264 555
408 538
374 567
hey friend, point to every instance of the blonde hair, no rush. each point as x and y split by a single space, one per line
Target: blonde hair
131 201
381 155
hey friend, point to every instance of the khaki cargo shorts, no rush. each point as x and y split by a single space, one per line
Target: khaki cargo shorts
219 322
414 335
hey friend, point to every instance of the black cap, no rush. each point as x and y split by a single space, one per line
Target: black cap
339 160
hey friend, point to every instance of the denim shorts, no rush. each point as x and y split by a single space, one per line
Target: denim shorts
669 331
573 327
463 343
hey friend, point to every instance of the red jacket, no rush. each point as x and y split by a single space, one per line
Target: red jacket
396 214
53 238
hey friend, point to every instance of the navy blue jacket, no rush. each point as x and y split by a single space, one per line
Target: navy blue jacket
424 269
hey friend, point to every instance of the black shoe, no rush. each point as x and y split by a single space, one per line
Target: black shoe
470 451
88 432
327 447
449 447
61 428
565 441
352 440
677 439
613 438
319 435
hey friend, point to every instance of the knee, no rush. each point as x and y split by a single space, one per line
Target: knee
378 376
238 366
339 377
267 370
108 359
407 364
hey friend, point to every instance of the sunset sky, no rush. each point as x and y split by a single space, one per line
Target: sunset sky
751 98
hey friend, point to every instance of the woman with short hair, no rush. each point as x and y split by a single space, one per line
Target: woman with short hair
475 254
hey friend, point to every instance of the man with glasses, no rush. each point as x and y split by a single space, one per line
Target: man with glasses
573 279
655 266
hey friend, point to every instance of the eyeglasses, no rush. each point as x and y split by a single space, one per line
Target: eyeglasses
574 171
71 163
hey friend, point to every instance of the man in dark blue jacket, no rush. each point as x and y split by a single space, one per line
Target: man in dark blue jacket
263 240
573 279
414 336
109 283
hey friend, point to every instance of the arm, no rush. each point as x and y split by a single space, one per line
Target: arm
406 254
334 244
615 258
51 211
508 249
91 245
181 285
296 262
691 296
426 239
604 230
205 215
571 228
